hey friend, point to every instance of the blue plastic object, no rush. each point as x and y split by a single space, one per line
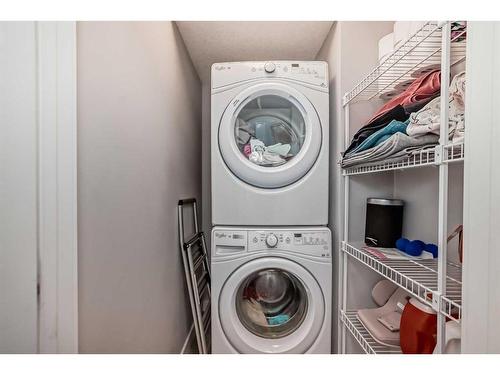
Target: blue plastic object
433 249
402 243
415 248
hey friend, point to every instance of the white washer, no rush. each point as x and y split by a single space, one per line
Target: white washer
270 143
271 290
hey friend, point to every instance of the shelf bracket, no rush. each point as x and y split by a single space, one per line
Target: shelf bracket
439 154
344 99
436 301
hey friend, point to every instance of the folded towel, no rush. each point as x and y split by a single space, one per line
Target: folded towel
397 113
417 106
399 157
422 88
380 136
396 143
427 120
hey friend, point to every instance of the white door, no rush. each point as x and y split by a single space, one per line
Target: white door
18 188
270 135
271 305
38 188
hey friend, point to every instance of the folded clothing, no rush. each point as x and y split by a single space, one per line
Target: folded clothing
399 157
421 89
390 148
381 135
398 113
427 120
418 105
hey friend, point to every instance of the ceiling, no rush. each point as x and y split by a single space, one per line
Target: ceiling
214 41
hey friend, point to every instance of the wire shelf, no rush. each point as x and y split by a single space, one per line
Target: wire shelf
418 277
421 50
426 157
454 152
363 337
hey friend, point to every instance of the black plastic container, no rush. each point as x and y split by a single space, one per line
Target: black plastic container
384 221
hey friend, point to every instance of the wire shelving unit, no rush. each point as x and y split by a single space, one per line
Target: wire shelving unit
422 158
418 277
363 337
421 50
435 282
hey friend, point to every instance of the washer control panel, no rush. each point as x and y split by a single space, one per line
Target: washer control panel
313 242
311 72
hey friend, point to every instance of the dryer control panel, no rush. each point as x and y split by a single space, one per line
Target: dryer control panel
313 242
310 72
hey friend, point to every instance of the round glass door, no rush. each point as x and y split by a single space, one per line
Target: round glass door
270 130
270 135
271 303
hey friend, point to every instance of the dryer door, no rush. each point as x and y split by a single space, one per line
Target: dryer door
270 135
271 305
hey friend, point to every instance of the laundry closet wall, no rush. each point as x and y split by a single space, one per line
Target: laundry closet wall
139 151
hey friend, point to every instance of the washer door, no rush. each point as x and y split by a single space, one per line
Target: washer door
271 305
270 135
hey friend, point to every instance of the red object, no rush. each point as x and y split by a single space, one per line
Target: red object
422 88
418 328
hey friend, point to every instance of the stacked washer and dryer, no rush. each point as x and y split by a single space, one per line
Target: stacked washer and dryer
271 248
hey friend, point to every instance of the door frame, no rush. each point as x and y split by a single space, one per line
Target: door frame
480 292
57 187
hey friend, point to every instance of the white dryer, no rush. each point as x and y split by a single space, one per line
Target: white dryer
270 143
271 290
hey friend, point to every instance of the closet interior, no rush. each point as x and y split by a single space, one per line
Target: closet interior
425 174
378 111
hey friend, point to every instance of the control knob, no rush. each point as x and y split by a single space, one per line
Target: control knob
271 240
269 67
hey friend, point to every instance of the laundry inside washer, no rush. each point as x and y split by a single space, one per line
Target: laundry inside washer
271 303
270 130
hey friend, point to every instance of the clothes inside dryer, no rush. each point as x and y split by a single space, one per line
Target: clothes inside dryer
271 303
270 130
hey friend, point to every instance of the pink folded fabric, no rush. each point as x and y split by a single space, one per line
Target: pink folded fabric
422 88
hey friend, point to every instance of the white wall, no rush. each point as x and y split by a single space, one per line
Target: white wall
139 151
419 188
